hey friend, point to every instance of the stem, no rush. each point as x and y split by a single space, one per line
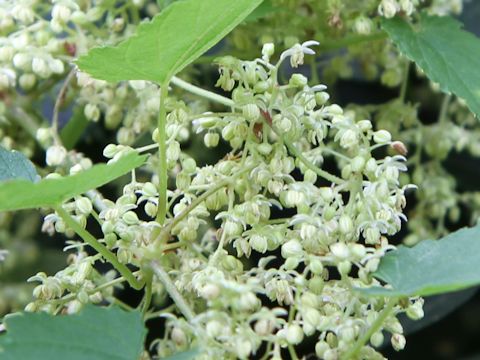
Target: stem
292 352
162 153
199 200
148 292
443 110
202 92
403 89
322 173
372 330
172 291
58 103
100 248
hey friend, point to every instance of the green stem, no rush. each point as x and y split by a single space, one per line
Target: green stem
162 153
322 173
167 229
172 291
292 352
202 92
442 116
100 248
376 326
403 89
147 299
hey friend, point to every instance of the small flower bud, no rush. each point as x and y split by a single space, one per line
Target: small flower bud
92 112
382 137
320 348
130 218
268 50
178 336
345 224
377 339
55 155
259 243
151 209
388 8
363 25
211 139
209 291
398 342
294 334
292 248
251 112
84 205
40 67
27 81
340 251
298 80
321 98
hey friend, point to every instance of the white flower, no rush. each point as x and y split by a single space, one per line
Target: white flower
297 52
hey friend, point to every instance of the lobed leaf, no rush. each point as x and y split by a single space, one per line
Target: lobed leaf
431 267
15 165
95 333
447 54
51 192
173 39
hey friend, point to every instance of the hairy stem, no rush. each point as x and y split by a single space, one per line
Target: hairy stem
162 153
322 173
202 92
100 248
172 291
58 103
376 326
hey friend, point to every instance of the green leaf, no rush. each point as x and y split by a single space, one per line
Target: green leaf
447 54
264 9
173 39
51 192
431 267
14 165
95 333
73 130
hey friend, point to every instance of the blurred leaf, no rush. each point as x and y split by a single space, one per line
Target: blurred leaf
173 39
264 9
447 54
436 308
73 130
431 267
15 165
95 333
51 192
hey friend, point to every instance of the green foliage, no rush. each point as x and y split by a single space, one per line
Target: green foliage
95 333
447 54
14 165
51 192
431 267
74 129
264 9
173 39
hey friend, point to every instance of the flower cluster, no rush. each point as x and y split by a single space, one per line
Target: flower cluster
266 245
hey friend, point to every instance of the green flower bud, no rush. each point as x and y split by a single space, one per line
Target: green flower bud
292 248
382 137
377 339
398 342
294 334
298 80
